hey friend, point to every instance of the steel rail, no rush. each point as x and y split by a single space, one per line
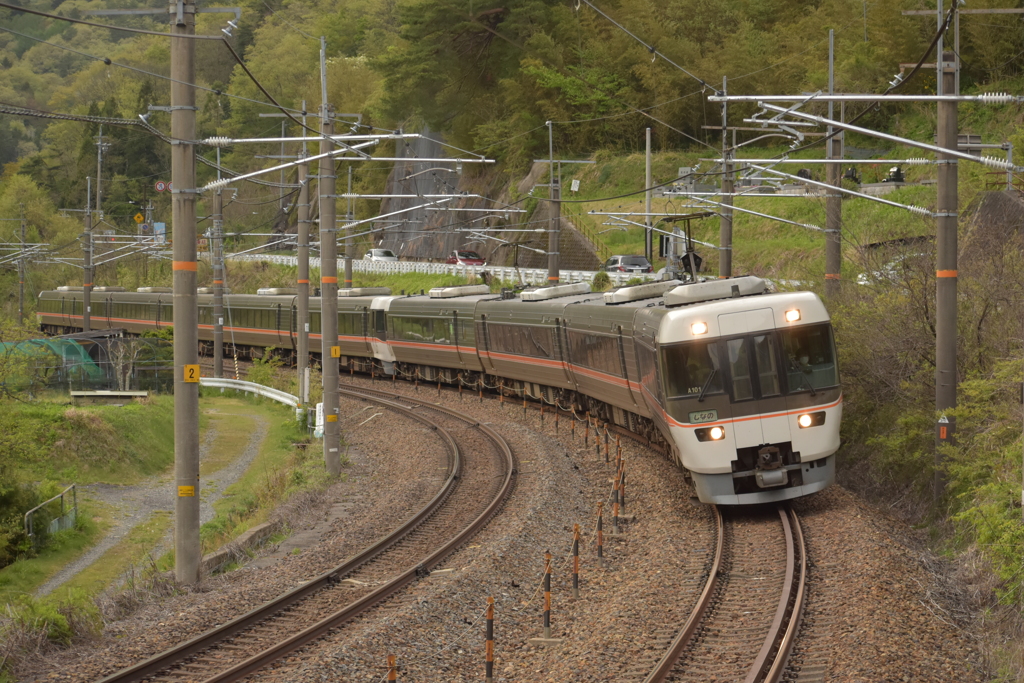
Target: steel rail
344 615
169 658
664 667
796 610
771 660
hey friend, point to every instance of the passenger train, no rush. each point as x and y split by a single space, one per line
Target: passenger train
741 385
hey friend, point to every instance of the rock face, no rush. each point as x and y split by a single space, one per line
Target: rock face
994 220
431 233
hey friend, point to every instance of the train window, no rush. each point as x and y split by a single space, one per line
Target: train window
767 366
435 330
810 357
521 340
739 370
467 334
595 351
648 368
689 367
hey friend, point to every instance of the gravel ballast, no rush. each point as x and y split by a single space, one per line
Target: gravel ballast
871 614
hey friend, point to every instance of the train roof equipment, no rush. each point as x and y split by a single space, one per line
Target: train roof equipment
746 285
209 290
555 291
154 290
648 290
365 291
461 290
277 291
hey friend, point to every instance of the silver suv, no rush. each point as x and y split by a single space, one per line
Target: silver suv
628 264
380 255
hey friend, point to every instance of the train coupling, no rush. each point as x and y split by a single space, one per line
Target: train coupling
769 472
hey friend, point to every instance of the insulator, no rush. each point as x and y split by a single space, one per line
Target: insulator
918 161
919 210
1001 164
996 98
217 142
214 184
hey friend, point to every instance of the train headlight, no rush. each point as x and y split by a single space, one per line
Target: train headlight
699 328
793 315
811 420
710 433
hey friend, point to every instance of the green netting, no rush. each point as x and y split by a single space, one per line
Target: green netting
72 354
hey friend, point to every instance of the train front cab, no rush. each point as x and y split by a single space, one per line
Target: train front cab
752 397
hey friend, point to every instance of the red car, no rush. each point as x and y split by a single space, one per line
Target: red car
460 257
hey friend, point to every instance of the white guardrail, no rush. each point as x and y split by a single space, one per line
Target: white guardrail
251 387
531 276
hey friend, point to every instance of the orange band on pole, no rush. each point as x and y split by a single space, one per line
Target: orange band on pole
302 282
831 276
945 273
183 265
87 284
218 282
329 280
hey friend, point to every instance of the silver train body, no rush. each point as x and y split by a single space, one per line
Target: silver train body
741 385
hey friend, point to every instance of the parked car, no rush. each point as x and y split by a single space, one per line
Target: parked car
628 264
898 270
380 255
461 257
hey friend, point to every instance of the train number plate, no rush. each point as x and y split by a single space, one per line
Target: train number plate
703 416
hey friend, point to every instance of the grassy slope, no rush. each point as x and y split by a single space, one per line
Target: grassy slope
277 471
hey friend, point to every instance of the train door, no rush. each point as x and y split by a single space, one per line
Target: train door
753 377
379 339
293 327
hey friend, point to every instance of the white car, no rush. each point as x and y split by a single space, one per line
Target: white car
380 255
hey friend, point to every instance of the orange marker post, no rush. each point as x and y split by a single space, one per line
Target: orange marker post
615 506
489 656
576 560
392 668
547 594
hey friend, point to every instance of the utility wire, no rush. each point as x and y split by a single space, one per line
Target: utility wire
281 17
595 88
16 8
109 62
650 48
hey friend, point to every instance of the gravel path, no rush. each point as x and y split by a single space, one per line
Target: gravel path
135 504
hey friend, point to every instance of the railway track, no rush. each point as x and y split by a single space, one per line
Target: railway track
471 493
743 625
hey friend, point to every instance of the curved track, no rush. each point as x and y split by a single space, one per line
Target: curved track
254 640
733 633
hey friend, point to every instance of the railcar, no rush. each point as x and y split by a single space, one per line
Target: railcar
741 385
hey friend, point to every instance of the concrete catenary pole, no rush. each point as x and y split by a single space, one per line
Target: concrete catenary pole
833 200
87 260
328 280
21 270
217 249
183 266
349 216
302 324
648 233
945 268
554 193
725 224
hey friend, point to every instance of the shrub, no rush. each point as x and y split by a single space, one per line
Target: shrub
601 281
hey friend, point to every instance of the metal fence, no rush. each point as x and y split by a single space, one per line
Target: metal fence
529 276
65 520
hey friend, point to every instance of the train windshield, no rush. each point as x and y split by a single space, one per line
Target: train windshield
689 367
810 357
